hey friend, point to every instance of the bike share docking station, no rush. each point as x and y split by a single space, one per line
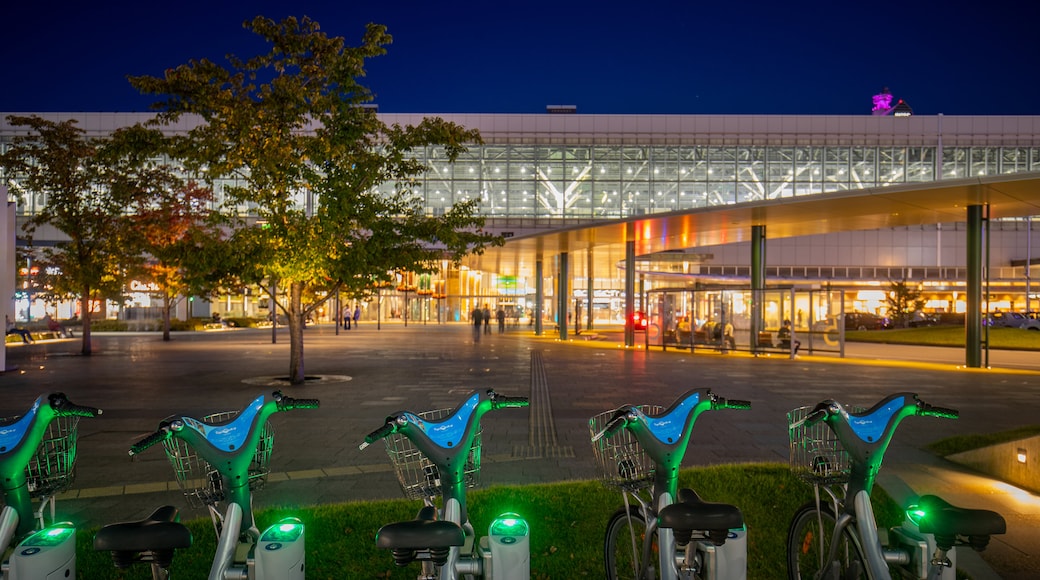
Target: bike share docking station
508 546
728 560
280 551
48 553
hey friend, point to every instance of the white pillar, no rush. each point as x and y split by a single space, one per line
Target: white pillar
7 268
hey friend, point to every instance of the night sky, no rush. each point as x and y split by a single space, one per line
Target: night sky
653 56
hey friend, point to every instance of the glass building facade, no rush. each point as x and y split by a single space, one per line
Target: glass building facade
601 167
556 170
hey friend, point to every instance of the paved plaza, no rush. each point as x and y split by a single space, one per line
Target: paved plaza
366 373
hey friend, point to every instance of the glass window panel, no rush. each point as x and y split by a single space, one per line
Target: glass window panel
580 205
863 172
891 165
983 162
635 199
955 162
721 194
920 164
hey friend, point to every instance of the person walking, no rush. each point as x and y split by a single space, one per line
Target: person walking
486 314
346 317
357 314
477 316
729 342
501 315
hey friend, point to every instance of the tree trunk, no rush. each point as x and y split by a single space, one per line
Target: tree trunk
84 308
167 305
296 324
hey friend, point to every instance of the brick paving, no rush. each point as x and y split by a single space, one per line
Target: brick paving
138 380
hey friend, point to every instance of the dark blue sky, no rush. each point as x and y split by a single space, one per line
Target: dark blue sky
650 56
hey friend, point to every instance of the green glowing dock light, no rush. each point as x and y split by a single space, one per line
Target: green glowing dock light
280 551
915 514
48 553
509 541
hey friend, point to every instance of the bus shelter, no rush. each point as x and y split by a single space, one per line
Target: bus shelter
732 318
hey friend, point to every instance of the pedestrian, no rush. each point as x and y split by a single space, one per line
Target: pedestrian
357 314
486 314
12 329
55 326
477 316
729 342
346 317
501 314
785 337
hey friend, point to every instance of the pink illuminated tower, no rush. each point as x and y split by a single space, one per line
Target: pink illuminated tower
882 103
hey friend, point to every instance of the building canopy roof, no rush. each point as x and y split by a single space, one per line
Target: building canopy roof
602 245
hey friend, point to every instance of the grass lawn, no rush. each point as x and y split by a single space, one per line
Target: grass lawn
1003 338
567 525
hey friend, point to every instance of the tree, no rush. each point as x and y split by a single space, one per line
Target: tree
308 157
182 247
83 201
173 226
903 301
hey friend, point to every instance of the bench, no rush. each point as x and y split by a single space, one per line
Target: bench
767 340
40 335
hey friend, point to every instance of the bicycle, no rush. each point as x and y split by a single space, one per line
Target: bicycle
639 450
437 453
839 450
37 461
221 458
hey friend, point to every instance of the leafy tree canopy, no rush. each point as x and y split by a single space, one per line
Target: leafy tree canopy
311 162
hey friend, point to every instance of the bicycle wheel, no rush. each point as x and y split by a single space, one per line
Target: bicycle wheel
623 546
808 545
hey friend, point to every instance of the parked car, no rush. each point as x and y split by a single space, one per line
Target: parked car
865 321
919 319
952 318
1032 321
1004 319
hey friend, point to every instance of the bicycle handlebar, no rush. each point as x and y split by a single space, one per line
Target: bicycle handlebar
502 401
629 413
865 434
615 424
162 434
63 407
732 404
168 427
286 403
387 429
398 420
942 412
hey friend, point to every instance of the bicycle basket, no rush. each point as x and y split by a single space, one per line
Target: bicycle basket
817 456
622 461
199 480
52 469
418 476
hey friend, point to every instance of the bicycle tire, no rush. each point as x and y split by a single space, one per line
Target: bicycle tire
623 546
804 553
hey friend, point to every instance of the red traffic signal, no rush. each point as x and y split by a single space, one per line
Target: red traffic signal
639 320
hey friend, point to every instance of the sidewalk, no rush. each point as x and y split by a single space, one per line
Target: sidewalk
138 380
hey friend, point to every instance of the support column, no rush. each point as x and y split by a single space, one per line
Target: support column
539 297
758 282
562 296
973 316
630 292
590 286
8 267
